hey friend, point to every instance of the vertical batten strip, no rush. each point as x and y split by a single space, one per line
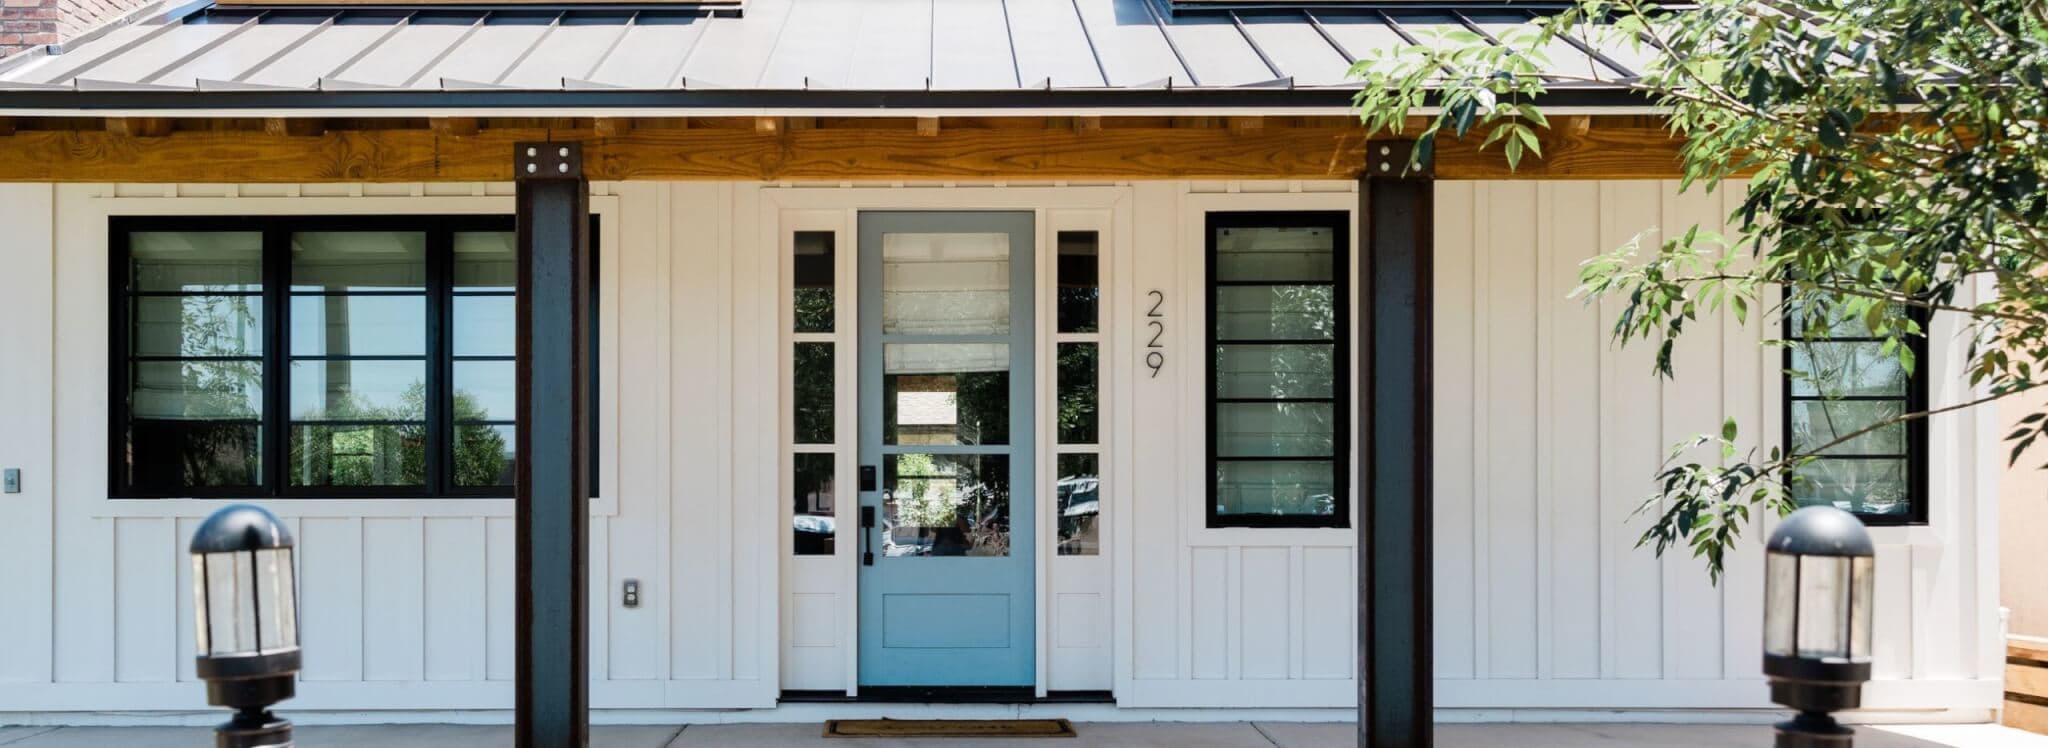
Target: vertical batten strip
1483 256
1545 444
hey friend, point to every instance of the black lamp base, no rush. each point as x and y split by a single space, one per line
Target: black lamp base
1814 730
253 728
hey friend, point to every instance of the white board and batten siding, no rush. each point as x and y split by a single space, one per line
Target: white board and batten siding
1546 434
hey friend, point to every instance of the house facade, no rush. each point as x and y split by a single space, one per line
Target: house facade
1069 297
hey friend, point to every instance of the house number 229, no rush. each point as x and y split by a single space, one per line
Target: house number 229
1155 354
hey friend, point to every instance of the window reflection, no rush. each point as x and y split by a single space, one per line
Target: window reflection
814 269
358 369
1079 281
946 393
946 505
811 378
1842 380
1080 505
1276 369
1077 394
813 519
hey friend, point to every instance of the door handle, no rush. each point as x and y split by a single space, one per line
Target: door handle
867 536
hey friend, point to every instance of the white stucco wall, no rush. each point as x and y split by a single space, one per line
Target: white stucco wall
1547 438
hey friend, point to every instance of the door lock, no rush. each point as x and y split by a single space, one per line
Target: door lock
867 478
867 534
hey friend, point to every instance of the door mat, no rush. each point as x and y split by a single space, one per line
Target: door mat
949 728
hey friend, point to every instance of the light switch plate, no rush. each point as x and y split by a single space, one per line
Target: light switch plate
10 480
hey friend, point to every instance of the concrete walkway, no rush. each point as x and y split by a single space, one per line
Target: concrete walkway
1134 735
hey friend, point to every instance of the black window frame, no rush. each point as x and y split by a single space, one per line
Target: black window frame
1339 222
1916 399
276 231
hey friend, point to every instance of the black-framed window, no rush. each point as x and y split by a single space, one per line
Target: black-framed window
1279 369
315 356
1839 380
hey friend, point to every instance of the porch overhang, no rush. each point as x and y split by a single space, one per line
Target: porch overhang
330 147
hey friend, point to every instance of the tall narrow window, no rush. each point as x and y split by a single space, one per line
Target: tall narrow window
812 356
1077 376
359 356
1279 379
1840 381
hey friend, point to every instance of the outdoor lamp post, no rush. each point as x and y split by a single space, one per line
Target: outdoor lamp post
247 623
1818 571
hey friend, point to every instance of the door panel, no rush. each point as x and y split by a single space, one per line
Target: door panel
946 427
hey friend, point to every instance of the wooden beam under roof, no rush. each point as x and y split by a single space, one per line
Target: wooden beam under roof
770 148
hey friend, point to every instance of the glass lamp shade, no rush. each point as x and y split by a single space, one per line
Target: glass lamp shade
1820 570
244 603
1818 607
244 599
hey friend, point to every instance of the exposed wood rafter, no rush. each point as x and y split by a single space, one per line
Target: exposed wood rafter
294 126
140 127
460 127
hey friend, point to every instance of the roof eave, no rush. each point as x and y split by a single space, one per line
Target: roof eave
373 102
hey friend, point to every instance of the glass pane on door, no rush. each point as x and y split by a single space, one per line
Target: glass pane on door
946 393
945 284
946 505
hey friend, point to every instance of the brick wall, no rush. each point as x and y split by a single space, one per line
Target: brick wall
33 23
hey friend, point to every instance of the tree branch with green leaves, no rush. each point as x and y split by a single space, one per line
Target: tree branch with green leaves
1892 158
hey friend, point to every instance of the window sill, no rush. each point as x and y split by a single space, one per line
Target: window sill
394 507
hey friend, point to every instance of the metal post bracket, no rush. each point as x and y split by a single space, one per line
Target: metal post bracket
1394 159
547 161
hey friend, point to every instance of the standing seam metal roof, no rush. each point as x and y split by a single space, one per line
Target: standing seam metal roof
775 45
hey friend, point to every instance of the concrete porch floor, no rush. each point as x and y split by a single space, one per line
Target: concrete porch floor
1134 735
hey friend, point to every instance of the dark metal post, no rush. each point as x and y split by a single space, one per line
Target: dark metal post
553 698
1395 213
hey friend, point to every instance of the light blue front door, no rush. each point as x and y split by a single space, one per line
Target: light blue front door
945 449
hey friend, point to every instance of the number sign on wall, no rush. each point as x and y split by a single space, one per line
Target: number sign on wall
1155 351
